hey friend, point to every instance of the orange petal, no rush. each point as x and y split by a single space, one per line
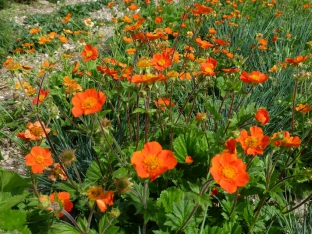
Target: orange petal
137 162
169 161
228 186
256 131
151 148
101 205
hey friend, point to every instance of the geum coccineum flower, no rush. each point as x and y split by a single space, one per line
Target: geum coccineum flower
229 171
38 159
201 9
60 201
255 77
230 146
88 102
303 108
102 199
204 44
147 78
208 67
34 131
89 53
42 95
163 103
297 60
284 139
255 142
262 116
161 61
152 161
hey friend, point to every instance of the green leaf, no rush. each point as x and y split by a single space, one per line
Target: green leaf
168 197
179 147
181 212
11 220
139 110
12 182
94 173
7 201
64 228
82 222
107 222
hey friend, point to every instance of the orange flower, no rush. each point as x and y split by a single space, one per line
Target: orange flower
133 7
262 116
52 35
147 78
57 171
208 67
306 6
284 139
229 171
158 20
96 193
67 18
230 146
63 39
34 30
71 85
131 51
44 40
136 16
88 102
76 67
127 39
38 159
161 61
108 71
42 95
255 142
201 9
189 160
89 53
230 70
34 131
303 108
220 42
254 77
296 61
63 201
163 103
152 161
204 44
212 31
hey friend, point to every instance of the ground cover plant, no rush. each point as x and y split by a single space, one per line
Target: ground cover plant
194 117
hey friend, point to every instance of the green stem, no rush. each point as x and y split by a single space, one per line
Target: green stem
294 107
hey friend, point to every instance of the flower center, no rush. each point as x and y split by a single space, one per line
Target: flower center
152 163
254 77
89 103
161 62
208 69
42 97
89 53
229 172
39 159
252 142
37 131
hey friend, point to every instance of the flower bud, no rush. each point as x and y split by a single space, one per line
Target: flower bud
123 185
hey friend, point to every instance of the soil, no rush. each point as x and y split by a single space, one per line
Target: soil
12 156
